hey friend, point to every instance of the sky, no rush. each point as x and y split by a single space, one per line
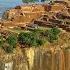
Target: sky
6 4
10 3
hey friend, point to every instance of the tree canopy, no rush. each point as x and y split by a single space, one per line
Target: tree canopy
12 40
1 40
26 1
53 34
31 38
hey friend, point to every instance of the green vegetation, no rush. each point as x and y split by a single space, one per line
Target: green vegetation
1 40
26 1
38 37
53 34
9 49
35 37
12 40
31 39
8 44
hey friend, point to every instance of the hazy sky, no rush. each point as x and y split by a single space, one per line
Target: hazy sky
10 2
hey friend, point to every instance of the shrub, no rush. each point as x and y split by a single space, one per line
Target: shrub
55 30
53 34
9 49
30 38
12 40
1 41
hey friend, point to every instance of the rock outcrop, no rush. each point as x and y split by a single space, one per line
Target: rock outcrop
25 14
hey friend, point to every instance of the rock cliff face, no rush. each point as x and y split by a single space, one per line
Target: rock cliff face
54 56
24 13
39 59
49 60
49 56
27 13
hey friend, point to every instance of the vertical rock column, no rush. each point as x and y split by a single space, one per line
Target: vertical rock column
56 60
61 60
36 63
46 60
53 59
30 53
67 59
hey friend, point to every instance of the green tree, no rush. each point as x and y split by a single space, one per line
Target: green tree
12 40
53 34
9 49
30 38
26 1
1 40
